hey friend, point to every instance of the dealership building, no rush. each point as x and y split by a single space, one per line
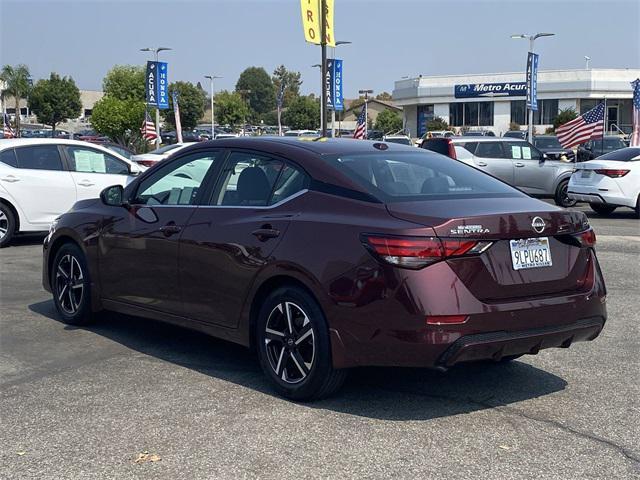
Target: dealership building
494 101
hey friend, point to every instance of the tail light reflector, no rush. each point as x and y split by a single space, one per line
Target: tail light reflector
586 238
417 252
612 172
446 319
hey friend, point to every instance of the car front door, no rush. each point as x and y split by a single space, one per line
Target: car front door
228 241
93 170
489 157
138 259
532 172
40 184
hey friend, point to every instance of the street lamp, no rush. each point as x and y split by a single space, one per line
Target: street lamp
532 39
156 51
213 118
587 59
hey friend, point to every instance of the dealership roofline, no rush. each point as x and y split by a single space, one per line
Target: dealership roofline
519 72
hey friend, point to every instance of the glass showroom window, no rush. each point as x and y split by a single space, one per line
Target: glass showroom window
456 115
471 114
519 112
546 113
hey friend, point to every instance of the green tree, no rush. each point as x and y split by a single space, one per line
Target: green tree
437 123
16 84
563 117
125 82
303 113
388 121
191 100
291 81
384 96
514 126
230 107
256 86
55 100
118 119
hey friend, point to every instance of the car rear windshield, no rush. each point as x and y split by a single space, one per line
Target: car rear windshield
408 176
549 142
631 154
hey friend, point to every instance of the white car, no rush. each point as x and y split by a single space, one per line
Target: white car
42 178
301 133
400 139
149 159
609 181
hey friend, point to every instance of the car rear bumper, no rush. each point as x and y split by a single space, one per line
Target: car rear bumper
604 198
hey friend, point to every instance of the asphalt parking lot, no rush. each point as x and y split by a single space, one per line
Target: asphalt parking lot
86 402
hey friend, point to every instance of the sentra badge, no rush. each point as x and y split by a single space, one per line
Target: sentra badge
468 229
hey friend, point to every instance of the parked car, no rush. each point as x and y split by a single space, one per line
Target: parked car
595 148
220 136
550 145
330 255
434 134
480 133
514 161
521 134
301 133
119 149
170 138
42 178
608 182
149 159
401 139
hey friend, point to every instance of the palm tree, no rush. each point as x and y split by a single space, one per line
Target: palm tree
16 83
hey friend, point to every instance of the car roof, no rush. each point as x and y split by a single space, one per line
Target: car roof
23 142
485 139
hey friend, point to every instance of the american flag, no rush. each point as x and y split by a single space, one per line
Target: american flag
148 129
361 126
635 135
587 126
7 131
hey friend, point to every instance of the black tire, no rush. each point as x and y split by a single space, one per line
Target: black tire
561 198
638 207
71 288
7 225
297 363
601 209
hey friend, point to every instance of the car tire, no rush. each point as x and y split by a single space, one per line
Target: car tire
561 198
601 209
294 347
7 225
638 207
71 285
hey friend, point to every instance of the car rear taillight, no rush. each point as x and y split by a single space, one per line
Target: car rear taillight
452 150
446 319
418 252
586 238
612 172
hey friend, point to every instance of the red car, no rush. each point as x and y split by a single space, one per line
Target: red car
329 254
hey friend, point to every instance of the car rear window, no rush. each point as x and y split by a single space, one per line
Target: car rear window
41 157
398 176
631 154
8 157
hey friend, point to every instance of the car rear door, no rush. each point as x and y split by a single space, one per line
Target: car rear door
490 158
40 184
93 170
532 172
230 240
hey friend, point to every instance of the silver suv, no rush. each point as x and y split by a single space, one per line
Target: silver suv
514 161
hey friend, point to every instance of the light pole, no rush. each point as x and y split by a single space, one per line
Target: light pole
532 39
587 59
366 94
333 110
156 51
213 118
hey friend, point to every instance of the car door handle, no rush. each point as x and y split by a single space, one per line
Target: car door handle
519 165
10 179
170 229
266 232
482 164
86 183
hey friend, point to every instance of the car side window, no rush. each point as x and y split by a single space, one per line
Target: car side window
178 182
470 146
248 180
521 151
489 150
8 157
88 160
291 181
40 157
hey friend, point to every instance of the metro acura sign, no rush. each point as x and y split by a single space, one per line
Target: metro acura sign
508 89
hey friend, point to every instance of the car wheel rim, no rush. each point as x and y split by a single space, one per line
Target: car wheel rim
69 284
4 225
564 195
290 342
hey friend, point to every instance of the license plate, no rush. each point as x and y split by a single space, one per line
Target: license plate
530 253
585 173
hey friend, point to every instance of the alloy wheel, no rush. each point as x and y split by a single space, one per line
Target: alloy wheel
4 225
69 284
290 342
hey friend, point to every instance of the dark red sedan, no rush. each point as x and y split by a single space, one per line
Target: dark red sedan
330 254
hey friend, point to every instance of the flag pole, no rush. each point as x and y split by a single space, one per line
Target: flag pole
604 125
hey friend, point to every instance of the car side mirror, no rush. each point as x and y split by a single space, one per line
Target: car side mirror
113 196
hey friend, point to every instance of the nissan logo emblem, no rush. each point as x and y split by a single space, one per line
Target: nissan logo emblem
538 224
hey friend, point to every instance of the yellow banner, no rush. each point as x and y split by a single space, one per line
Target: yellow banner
311 21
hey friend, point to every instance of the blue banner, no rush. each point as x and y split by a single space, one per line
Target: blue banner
532 81
329 82
163 86
338 99
507 89
151 82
